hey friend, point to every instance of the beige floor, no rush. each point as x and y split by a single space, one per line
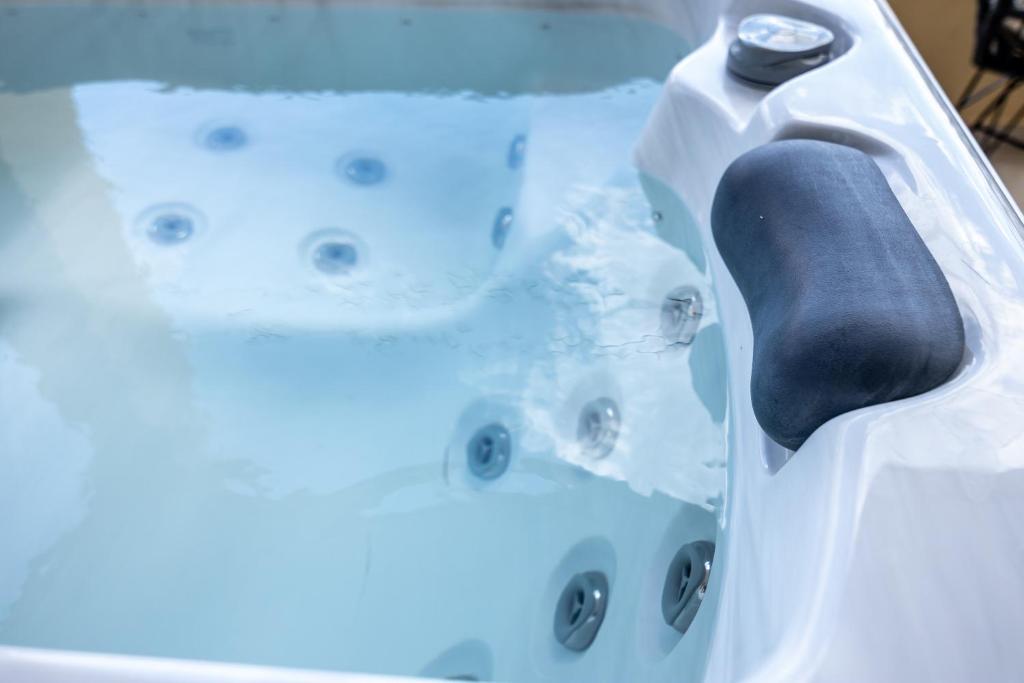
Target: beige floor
943 31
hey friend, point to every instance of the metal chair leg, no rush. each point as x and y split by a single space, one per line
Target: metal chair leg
992 113
965 97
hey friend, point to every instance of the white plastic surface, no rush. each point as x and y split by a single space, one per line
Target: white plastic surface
889 547
48 666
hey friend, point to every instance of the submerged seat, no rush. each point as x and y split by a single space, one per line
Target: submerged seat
848 307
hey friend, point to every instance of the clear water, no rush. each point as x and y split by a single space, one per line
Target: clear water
337 338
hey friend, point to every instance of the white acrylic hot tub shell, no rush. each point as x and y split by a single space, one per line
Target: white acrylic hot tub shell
889 547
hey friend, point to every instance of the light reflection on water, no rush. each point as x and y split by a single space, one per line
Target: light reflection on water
248 334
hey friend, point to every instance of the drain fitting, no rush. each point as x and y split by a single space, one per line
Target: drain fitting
581 609
502 224
170 228
361 169
170 225
225 139
686 583
680 315
598 427
516 152
335 258
489 451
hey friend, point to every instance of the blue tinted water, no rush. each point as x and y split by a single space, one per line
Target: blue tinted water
332 338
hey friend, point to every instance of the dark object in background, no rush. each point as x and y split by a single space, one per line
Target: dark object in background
848 307
998 49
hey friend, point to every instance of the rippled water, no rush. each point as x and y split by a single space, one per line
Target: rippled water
338 338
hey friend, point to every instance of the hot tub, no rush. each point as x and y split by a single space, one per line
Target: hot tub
393 339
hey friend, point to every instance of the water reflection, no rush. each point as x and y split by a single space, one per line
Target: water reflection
233 382
44 490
